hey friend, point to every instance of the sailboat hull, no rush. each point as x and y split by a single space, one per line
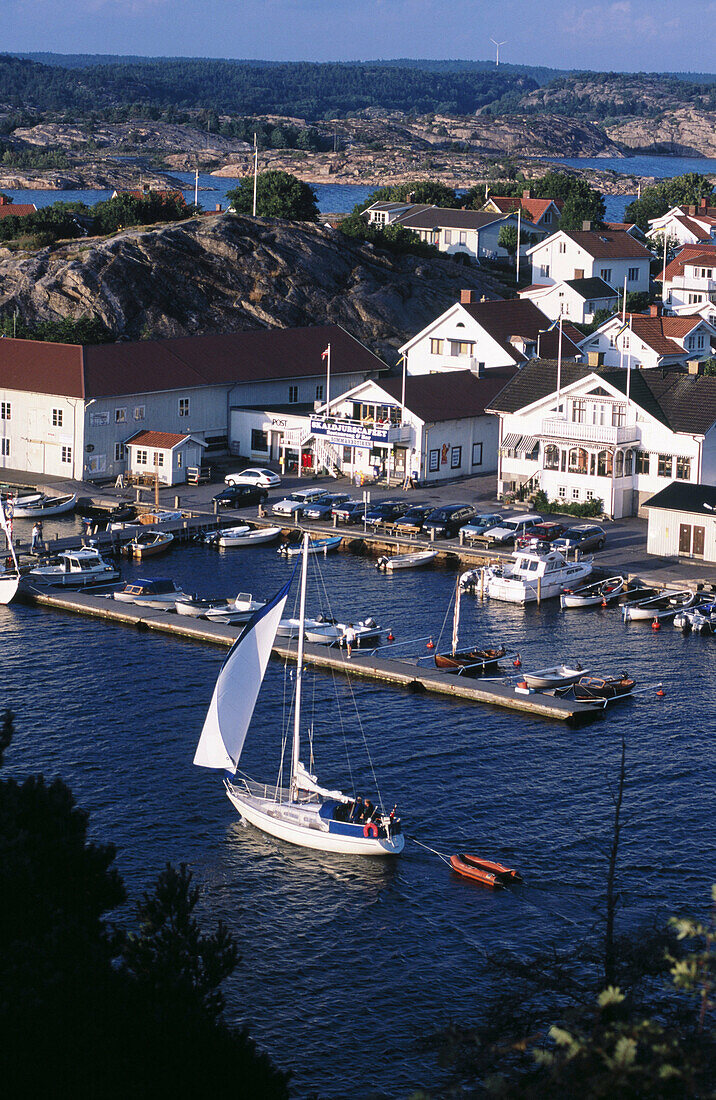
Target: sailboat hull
8 587
307 829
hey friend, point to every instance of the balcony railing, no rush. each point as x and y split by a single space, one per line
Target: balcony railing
589 433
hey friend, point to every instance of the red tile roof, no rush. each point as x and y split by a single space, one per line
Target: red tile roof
661 333
698 231
534 207
690 254
160 440
608 244
450 396
17 209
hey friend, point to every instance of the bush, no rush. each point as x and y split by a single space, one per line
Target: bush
587 509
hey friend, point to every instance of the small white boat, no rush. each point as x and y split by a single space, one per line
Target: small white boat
196 606
288 628
557 676
148 544
239 610
663 606
534 575
76 569
315 546
9 572
159 593
47 506
406 561
593 595
334 633
700 619
10 499
233 538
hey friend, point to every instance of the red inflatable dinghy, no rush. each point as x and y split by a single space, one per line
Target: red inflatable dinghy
483 870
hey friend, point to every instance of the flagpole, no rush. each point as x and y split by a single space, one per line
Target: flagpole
402 396
517 257
624 302
256 169
628 381
559 361
663 273
328 380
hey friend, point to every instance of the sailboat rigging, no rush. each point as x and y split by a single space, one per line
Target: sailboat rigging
304 813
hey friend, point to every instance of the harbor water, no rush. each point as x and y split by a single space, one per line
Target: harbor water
347 962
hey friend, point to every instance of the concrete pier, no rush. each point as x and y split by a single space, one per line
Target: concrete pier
374 666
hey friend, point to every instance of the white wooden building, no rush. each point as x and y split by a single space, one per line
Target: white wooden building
651 340
575 300
682 522
473 233
580 433
163 455
686 224
613 256
689 281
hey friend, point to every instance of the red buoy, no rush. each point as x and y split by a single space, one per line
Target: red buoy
391 636
431 644
517 662
656 625
661 692
604 603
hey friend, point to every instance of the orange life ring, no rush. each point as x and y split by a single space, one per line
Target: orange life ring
370 829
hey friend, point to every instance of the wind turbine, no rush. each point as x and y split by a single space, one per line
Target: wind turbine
498 44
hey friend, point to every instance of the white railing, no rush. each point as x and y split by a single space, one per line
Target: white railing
589 433
327 455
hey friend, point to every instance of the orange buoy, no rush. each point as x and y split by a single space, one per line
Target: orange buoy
523 684
604 603
517 662
656 625
661 692
391 636
430 645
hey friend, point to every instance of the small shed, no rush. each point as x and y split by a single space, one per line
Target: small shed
163 455
682 522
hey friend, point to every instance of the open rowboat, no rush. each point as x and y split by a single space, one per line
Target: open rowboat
406 561
593 595
473 662
557 676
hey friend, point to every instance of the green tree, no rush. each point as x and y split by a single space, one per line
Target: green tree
278 195
507 239
654 202
431 192
391 238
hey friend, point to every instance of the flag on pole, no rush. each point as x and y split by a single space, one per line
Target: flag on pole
326 353
553 325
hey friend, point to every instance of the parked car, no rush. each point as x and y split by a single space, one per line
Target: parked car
386 511
541 536
414 518
254 475
294 504
446 522
481 523
510 529
586 536
323 509
350 512
240 496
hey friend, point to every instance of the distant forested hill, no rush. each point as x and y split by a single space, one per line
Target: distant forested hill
301 89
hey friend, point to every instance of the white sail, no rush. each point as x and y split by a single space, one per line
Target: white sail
237 688
307 782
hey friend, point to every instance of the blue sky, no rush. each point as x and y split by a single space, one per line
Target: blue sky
628 35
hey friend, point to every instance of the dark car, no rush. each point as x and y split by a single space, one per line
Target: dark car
414 518
446 522
323 509
586 536
350 512
240 496
387 511
542 535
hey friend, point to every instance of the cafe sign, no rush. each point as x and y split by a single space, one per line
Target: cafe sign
348 433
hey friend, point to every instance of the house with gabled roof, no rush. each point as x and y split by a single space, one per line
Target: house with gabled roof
543 213
581 432
651 340
686 224
481 335
15 209
165 455
605 254
689 280
576 300
472 233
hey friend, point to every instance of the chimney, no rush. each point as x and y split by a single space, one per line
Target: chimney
694 366
527 194
595 359
467 297
703 203
691 210
218 208
586 227
655 309
4 200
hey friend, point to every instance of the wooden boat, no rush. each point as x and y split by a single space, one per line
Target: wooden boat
406 561
598 687
484 871
315 546
235 538
557 676
471 662
148 544
47 506
593 595
663 606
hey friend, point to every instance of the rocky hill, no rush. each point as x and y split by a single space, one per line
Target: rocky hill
688 131
227 274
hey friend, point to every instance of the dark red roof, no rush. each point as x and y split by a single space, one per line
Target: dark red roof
608 244
146 366
701 254
450 395
161 440
17 209
521 317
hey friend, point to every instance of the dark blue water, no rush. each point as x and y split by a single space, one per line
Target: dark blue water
347 962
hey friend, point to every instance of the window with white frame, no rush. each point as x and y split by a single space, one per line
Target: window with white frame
142 458
562 246
139 412
562 492
436 346
463 237
683 468
66 454
120 416
179 460
456 458
5 447
589 494
57 418
319 392
183 406
575 494
461 347
118 452
544 271
5 410
448 236
434 461
579 411
700 342
293 395
633 275
665 465
477 454
691 342
618 416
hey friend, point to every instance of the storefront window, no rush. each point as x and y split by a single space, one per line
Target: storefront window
259 440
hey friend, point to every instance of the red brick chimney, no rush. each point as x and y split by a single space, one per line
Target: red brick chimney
467 297
586 227
655 310
691 210
527 194
703 203
4 201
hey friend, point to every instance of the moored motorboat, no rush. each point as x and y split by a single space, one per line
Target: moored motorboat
46 506
598 687
196 607
288 628
598 594
235 538
76 569
700 618
315 546
235 611
665 605
556 676
148 544
366 630
9 569
534 576
414 560
159 593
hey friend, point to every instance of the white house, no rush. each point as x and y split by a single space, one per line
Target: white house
385 213
693 224
580 433
470 232
612 256
164 455
689 281
480 336
71 410
574 299
543 213
682 522
650 340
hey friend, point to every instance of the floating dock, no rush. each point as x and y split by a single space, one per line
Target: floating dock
377 665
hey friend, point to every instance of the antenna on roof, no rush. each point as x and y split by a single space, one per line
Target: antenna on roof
497 50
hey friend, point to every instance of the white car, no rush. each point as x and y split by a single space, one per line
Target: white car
255 475
294 505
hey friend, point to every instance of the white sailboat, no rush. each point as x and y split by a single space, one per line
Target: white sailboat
9 578
303 813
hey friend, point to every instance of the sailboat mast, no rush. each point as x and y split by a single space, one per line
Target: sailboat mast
456 617
299 668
